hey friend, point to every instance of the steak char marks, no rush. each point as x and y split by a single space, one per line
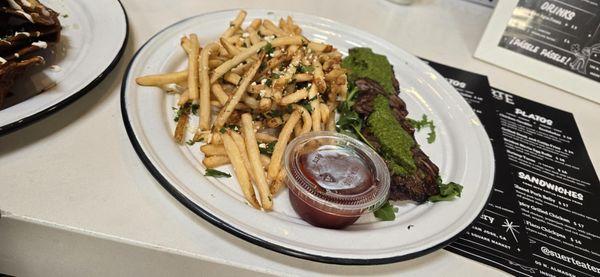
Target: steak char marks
423 182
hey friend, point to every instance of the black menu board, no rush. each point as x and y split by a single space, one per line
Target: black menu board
542 217
563 33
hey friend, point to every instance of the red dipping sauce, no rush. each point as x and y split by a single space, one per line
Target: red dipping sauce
333 179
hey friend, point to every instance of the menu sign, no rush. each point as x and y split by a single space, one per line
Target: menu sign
542 217
564 33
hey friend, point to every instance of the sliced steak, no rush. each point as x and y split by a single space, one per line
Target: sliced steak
423 182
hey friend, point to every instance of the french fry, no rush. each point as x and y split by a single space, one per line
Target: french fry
232 78
205 116
266 198
216 139
231 49
182 123
251 102
306 120
319 78
324 112
219 93
316 111
240 170
278 183
235 24
294 97
265 160
303 77
266 138
212 149
255 23
228 65
215 161
239 142
235 99
320 47
273 28
184 97
193 54
162 79
282 141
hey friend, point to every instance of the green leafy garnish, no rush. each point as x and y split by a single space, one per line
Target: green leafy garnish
448 192
268 82
185 109
424 122
350 122
306 103
268 48
305 68
216 174
268 149
387 212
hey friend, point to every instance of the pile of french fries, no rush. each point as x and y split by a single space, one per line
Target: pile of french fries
257 85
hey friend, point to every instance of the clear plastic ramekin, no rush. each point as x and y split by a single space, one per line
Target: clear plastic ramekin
333 178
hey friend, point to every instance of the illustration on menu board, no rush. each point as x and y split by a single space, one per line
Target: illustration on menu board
562 33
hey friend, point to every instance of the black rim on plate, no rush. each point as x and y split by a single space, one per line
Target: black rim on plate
26 121
222 224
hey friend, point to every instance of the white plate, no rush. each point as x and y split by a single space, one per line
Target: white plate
92 40
462 151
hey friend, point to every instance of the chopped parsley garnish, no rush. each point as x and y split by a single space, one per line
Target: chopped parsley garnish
216 174
195 109
268 148
268 48
269 82
185 109
387 212
306 103
424 122
305 68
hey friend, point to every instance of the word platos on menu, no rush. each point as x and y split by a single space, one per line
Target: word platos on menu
563 33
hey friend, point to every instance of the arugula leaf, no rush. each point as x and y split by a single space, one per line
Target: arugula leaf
217 174
387 212
424 122
304 68
350 122
268 149
448 192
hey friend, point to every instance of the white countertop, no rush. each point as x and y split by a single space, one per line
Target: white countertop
77 170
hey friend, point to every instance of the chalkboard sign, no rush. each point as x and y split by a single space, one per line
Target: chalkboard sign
554 41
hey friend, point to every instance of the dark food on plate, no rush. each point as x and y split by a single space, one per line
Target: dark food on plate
26 28
414 174
375 113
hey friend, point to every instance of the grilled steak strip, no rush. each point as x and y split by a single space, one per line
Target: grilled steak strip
421 183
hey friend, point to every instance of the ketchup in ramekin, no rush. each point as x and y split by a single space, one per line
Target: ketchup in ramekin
333 178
